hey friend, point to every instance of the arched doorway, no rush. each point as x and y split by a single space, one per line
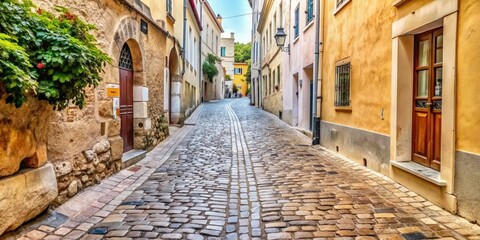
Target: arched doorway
125 66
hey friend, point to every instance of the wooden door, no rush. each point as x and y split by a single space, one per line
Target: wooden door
126 98
427 109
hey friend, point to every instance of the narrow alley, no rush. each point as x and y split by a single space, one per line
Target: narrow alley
236 172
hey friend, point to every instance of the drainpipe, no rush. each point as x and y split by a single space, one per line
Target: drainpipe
317 73
184 35
200 72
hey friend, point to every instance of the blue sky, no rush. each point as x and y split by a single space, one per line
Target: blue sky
241 25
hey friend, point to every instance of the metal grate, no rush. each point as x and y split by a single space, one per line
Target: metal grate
342 85
126 58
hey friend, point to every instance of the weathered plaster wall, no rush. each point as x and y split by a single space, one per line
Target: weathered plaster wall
84 144
273 103
467 158
409 6
360 31
468 87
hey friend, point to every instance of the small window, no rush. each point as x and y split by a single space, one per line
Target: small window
339 4
238 71
169 7
342 85
223 51
296 27
309 11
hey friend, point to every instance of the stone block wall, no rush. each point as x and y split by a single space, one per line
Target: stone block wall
274 103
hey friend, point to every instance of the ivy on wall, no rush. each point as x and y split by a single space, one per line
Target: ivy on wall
209 67
52 57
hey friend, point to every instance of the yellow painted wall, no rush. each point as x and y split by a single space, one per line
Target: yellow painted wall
468 84
360 31
411 6
239 79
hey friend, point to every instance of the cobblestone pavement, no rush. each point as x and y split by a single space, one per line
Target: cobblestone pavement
239 173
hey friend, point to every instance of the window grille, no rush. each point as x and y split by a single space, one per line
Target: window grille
126 58
342 85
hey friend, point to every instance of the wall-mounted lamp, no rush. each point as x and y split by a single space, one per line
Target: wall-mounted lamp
280 38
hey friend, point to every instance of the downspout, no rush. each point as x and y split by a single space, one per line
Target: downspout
317 73
200 72
184 35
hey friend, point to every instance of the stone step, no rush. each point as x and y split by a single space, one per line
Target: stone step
132 157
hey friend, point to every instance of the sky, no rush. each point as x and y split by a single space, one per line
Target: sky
240 25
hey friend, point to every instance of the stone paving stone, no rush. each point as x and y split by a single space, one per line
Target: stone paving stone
240 173
36 234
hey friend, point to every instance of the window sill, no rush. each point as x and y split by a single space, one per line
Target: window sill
344 109
296 39
309 25
398 3
420 171
341 7
170 17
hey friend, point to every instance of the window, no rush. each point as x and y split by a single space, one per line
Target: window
342 85
169 7
238 71
340 2
223 51
309 11
295 26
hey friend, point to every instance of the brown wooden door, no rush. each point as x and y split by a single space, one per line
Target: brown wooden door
126 98
427 113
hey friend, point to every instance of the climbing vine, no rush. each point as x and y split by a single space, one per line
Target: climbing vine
52 57
209 67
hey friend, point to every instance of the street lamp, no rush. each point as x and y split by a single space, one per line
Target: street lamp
280 38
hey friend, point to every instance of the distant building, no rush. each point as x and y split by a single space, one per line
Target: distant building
239 79
211 40
227 53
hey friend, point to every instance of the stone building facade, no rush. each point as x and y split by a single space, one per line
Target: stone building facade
273 59
211 44
76 148
227 54
395 96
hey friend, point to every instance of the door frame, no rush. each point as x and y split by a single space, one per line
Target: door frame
435 14
429 160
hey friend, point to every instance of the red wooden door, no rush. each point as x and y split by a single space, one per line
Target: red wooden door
126 98
427 113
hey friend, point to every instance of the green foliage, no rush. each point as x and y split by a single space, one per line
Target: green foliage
209 68
53 58
248 75
234 88
243 52
228 77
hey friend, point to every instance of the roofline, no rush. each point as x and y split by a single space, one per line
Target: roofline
212 13
195 12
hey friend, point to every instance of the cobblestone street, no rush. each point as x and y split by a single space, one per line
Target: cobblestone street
236 172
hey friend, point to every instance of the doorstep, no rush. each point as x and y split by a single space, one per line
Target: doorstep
132 157
420 171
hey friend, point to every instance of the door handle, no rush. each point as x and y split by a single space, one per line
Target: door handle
429 104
